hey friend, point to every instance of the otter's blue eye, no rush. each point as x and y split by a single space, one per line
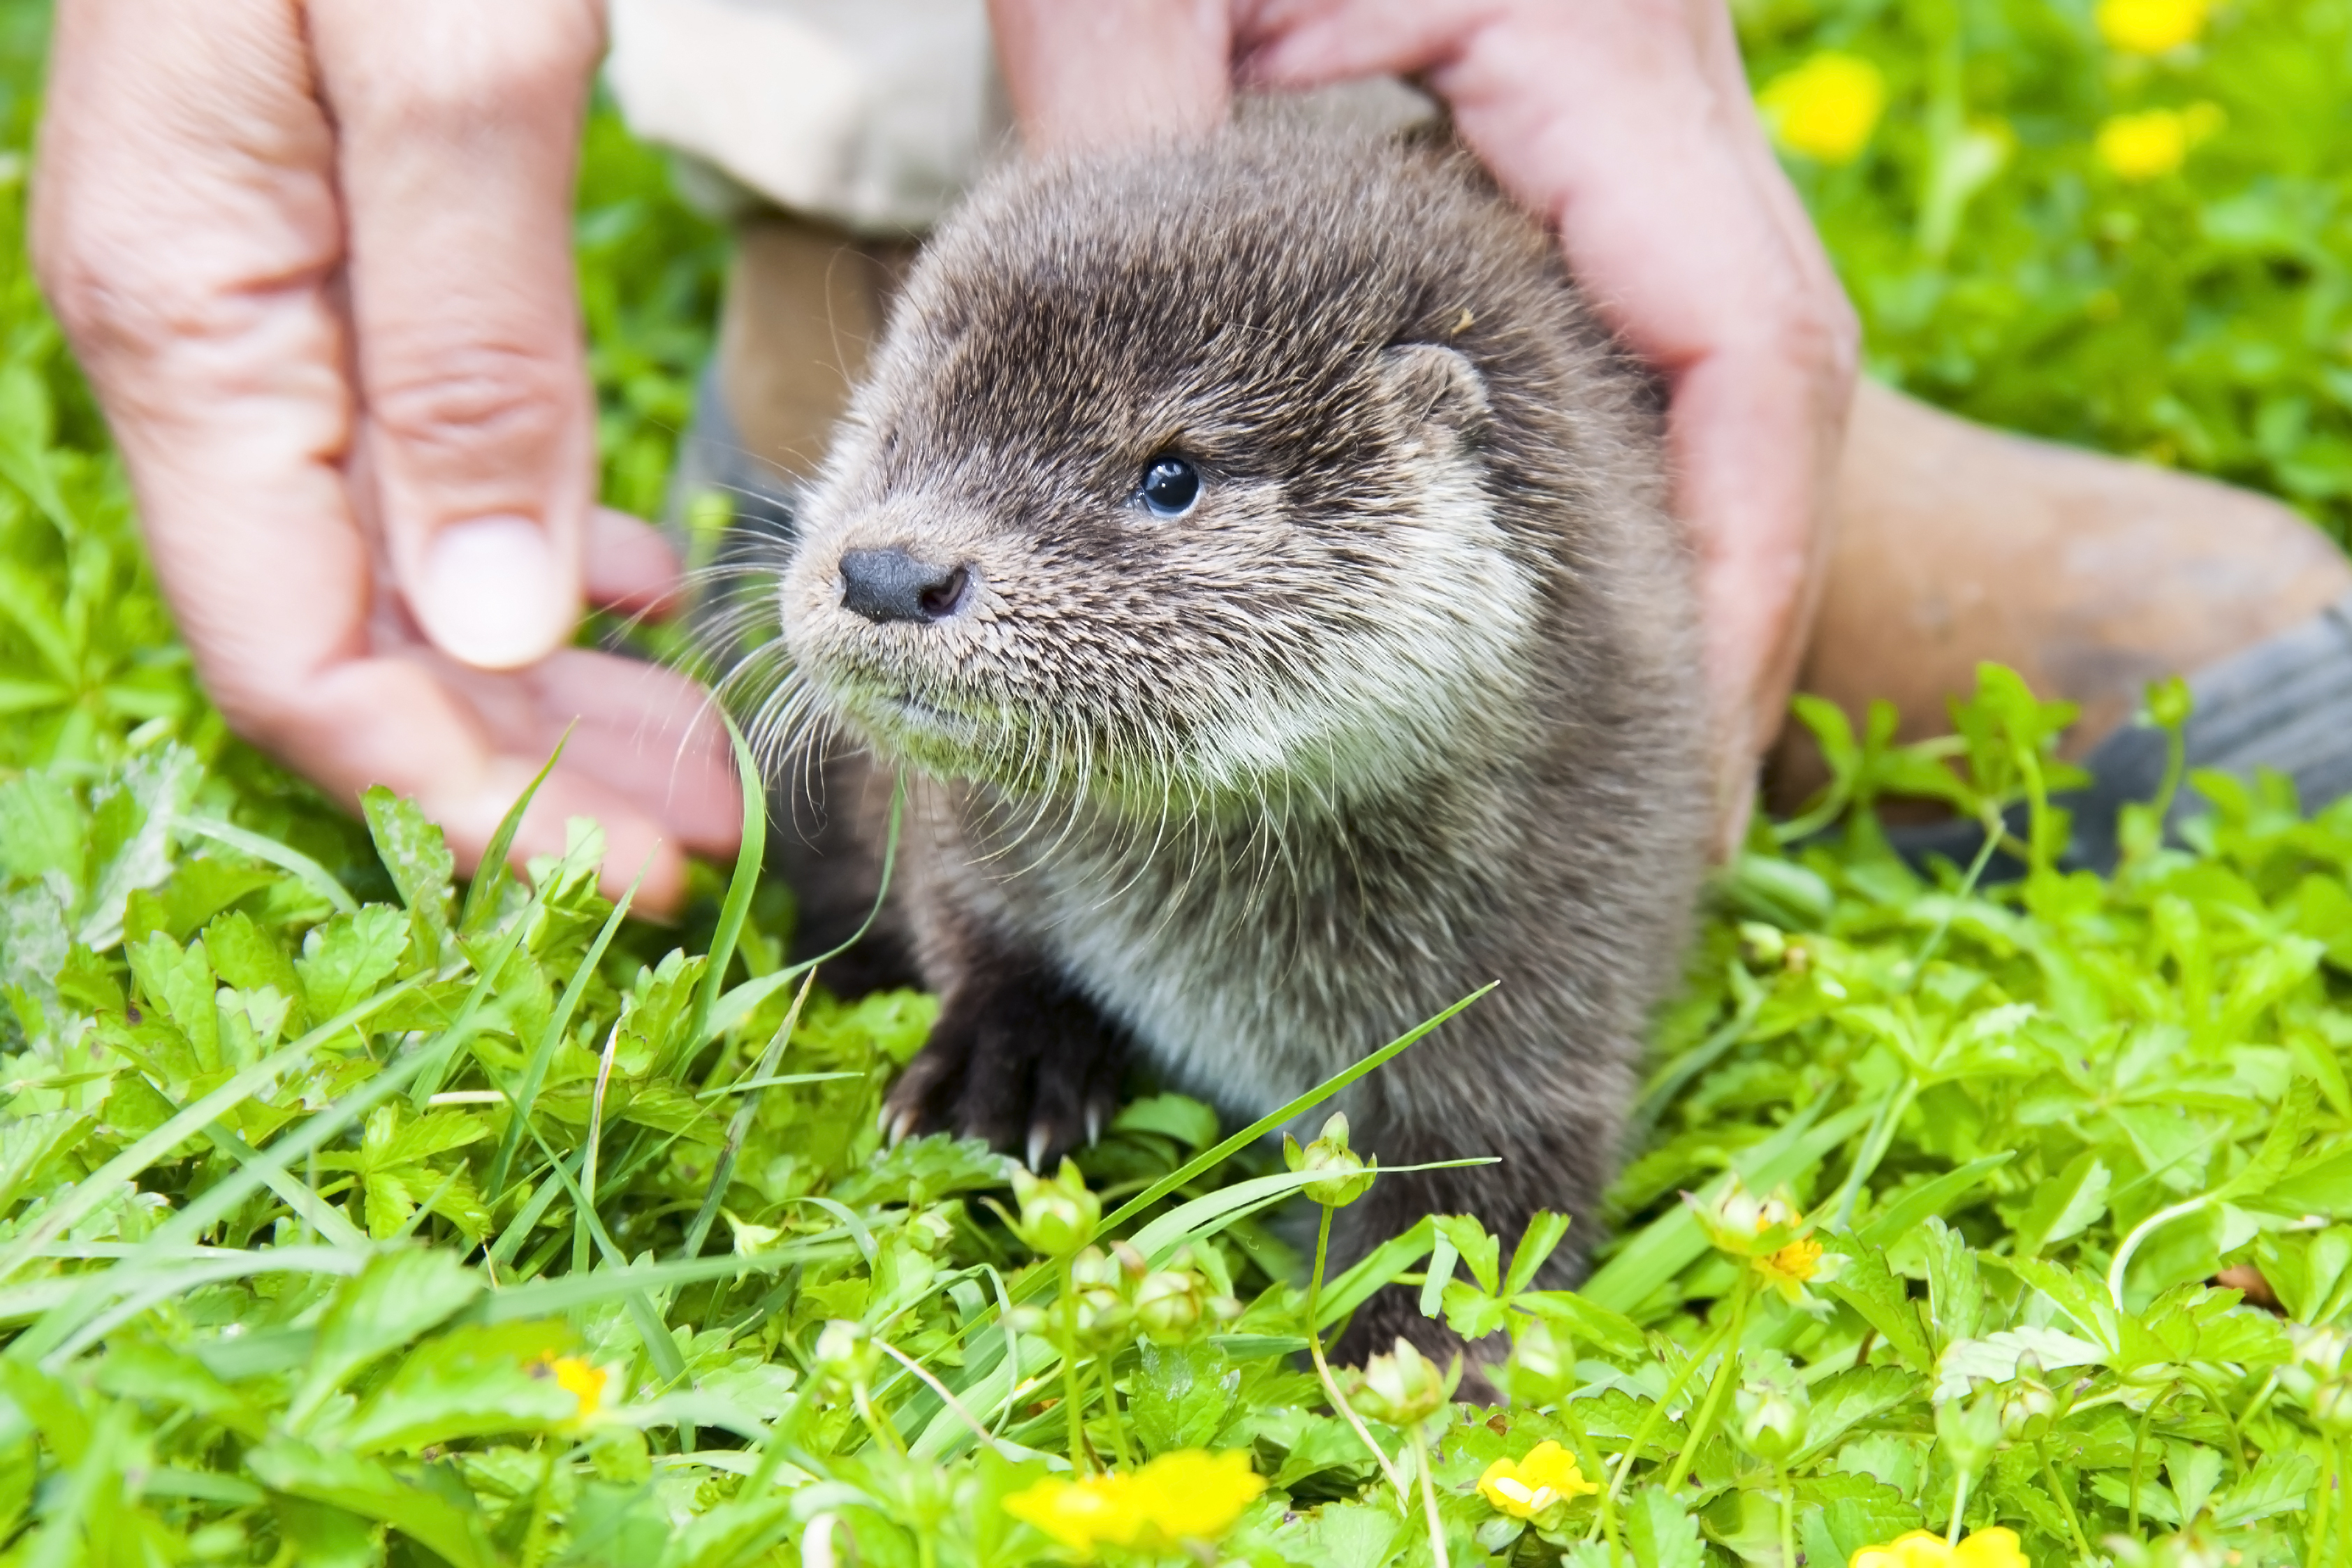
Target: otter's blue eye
1170 487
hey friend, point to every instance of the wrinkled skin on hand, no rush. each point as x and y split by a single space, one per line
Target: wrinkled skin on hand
316 260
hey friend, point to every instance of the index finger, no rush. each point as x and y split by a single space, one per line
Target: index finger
459 126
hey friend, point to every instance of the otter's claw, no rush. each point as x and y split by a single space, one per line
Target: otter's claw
1026 1066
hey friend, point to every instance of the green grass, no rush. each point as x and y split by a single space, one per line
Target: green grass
326 1193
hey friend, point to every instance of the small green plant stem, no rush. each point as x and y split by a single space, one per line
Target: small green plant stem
1875 1145
2319 1508
1428 1488
1587 1459
1110 1412
1717 1392
2058 1489
1788 1514
2140 1233
2343 1513
537 1535
884 1432
1081 1458
1994 835
2139 1451
1960 1507
1650 1423
1323 1368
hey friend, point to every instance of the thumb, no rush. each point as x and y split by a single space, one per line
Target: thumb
458 127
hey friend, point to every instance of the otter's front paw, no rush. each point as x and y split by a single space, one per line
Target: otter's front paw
1030 1067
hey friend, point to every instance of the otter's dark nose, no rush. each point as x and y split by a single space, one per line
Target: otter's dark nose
891 585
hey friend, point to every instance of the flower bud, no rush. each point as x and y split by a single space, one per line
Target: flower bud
1761 945
1057 1213
2028 1408
930 1230
1772 1423
2320 1349
2331 1406
1169 1306
1093 1269
1744 1225
1349 1178
1968 1431
1105 1321
2169 702
844 1352
1401 1387
1542 1367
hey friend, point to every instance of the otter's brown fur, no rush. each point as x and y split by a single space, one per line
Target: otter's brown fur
1406 703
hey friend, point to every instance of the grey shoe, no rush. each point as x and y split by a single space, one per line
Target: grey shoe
2284 704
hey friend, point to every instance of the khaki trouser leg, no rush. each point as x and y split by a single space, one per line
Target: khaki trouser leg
805 303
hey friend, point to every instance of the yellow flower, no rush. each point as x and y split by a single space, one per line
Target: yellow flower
1192 1495
2155 142
578 1376
1187 1495
1995 1548
1826 108
1787 1269
2150 27
1548 1476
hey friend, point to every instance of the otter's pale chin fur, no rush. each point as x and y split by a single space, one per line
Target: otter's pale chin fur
1255 559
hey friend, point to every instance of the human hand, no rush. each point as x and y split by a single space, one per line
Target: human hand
1628 126
316 261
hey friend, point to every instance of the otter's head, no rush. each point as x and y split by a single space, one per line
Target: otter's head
1169 488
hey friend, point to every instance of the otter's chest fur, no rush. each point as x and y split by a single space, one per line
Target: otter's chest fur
1251 962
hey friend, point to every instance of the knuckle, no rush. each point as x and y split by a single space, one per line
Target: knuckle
1821 336
107 304
460 404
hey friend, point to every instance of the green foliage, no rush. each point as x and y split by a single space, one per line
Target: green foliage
2199 318
346 1219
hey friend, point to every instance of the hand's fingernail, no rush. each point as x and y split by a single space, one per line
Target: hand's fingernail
492 595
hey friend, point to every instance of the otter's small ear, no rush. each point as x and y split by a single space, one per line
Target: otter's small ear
1431 384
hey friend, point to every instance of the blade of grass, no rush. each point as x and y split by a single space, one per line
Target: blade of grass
1201 1164
740 1125
283 857
545 1298
526 1221
1204 1216
155 1288
780 1080
443 1049
736 1006
750 859
584 1214
482 895
300 1198
557 1025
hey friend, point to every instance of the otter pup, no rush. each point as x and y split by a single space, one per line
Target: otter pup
1257 559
